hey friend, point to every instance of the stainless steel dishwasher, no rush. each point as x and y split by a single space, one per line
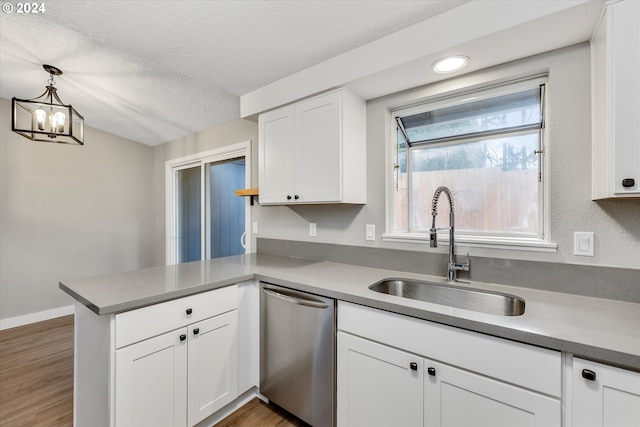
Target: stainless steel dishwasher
297 353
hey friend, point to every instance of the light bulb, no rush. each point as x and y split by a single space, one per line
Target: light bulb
60 119
53 122
57 122
41 116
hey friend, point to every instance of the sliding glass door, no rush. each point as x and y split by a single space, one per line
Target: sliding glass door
188 218
225 210
205 218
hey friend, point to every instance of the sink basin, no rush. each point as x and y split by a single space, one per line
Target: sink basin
452 296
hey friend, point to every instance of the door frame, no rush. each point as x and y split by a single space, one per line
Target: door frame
228 152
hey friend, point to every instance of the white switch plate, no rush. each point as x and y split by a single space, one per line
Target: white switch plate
255 227
370 232
583 243
312 229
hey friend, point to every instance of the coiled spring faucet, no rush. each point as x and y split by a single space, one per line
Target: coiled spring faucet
452 267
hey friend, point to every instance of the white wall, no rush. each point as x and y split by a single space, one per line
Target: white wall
68 212
616 223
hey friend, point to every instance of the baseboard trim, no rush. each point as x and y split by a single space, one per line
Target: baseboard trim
39 316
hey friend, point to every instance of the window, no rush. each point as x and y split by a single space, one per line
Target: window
486 146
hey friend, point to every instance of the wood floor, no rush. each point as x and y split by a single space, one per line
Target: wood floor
259 414
36 374
36 381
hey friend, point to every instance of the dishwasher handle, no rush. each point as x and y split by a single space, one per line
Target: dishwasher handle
295 300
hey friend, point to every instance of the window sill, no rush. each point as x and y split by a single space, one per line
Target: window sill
516 244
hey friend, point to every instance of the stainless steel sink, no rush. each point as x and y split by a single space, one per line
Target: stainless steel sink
453 296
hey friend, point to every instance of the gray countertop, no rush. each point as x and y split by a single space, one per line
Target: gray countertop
594 328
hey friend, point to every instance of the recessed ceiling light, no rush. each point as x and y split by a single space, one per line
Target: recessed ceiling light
450 64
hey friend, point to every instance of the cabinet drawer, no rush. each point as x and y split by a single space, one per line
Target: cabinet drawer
513 362
137 325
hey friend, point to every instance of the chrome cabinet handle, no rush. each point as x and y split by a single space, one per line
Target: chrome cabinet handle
295 300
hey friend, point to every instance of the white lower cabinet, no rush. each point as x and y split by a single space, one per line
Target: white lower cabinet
400 371
179 378
170 364
151 382
455 397
377 385
604 396
212 365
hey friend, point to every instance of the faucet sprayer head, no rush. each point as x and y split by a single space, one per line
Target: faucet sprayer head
433 238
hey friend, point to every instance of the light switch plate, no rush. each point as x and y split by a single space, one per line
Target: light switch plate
583 243
255 227
370 232
312 229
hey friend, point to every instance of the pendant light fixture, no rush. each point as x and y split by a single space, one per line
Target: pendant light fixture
46 118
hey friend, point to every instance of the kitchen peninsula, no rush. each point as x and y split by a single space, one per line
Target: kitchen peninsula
573 326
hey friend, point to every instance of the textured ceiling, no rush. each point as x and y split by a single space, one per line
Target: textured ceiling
154 71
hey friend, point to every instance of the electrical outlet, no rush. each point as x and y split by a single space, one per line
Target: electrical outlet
370 232
583 243
312 229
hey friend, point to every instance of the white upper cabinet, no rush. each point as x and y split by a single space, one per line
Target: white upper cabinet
615 56
314 151
275 152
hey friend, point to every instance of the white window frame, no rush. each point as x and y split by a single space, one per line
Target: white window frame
241 149
482 240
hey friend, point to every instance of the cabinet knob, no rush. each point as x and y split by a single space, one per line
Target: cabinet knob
189 311
588 374
196 331
296 197
413 366
288 197
183 337
628 182
431 371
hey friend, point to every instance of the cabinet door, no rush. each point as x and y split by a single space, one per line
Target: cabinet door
276 155
604 396
213 365
318 159
376 385
454 398
151 382
625 60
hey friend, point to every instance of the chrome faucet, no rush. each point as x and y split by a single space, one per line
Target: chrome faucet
452 267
